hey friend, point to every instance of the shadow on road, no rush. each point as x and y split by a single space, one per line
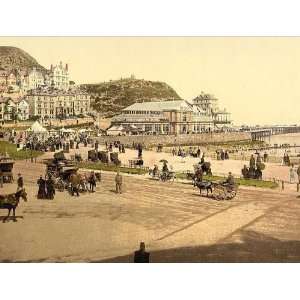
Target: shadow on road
254 247
10 218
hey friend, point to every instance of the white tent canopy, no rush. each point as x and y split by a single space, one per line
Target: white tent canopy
67 130
36 127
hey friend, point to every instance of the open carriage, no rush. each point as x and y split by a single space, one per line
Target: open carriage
60 170
222 191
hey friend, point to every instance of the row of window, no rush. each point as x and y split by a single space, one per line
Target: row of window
141 112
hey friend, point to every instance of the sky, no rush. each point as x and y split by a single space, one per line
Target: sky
257 79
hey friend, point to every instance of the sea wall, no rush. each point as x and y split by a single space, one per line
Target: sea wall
183 139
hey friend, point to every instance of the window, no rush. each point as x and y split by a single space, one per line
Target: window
157 127
166 128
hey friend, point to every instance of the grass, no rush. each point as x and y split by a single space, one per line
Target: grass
138 171
111 168
239 181
11 149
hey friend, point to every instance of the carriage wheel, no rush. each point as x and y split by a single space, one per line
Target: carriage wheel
219 193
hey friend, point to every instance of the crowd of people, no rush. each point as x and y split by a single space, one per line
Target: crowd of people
110 146
182 152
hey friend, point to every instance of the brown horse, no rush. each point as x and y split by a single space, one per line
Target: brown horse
11 201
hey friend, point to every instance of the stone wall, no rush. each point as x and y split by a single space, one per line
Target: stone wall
183 139
54 122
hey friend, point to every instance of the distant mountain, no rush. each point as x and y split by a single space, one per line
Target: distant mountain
12 58
111 97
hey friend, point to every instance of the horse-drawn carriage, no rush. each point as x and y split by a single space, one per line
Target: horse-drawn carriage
219 190
6 167
163 176
167 176
60 170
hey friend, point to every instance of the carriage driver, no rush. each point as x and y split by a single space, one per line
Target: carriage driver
230 180
199 175
165 168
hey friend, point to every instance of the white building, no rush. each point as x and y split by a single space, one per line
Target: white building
34 79
173 117
58 77
23 110
208 104
163 117
50 103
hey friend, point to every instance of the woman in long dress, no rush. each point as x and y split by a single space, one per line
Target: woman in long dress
42 188
292 174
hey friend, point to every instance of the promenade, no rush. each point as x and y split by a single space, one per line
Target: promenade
176 224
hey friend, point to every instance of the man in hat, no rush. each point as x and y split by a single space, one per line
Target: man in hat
92 181
141 256
20 182
230 180
118 180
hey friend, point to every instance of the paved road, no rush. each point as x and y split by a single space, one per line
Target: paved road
174 221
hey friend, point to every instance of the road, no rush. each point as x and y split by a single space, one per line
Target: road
176 224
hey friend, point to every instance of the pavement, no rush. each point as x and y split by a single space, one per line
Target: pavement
175 222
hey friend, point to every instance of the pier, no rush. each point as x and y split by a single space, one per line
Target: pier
262 133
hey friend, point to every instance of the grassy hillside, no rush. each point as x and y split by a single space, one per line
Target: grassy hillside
12 58
110 97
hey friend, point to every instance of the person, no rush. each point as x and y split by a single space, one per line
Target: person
140 150
258 159
202 161
226 155
155 170
292 174
50 188
230 179
199 175
222 154
173 152
298 173
42 188
165 168
245 172
265 157
252 162
141 256
20 182
92 181
1 179
118 180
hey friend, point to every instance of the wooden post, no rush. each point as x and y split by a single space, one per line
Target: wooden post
282 185
298 187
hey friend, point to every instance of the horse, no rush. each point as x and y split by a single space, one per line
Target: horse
204 185
11 202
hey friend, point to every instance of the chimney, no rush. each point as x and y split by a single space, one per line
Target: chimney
51 67
67 67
